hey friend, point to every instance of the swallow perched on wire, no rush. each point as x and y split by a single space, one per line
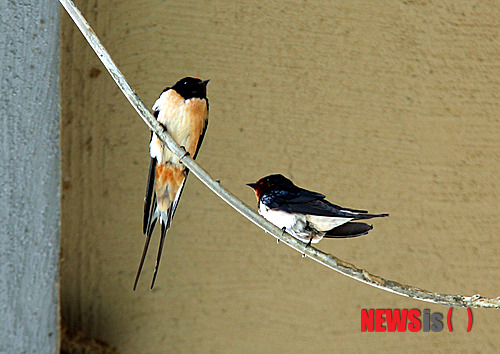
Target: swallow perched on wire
183 111
304 214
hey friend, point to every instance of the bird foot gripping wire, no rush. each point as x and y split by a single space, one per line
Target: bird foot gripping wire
186 153
308 244
283 230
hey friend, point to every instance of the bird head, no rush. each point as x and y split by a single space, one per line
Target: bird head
269 182
190 87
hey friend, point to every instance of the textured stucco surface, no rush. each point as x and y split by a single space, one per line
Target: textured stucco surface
393 107
29 177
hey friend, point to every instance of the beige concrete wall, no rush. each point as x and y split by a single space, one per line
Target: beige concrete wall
393 107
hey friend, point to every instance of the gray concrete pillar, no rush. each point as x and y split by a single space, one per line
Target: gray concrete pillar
29 176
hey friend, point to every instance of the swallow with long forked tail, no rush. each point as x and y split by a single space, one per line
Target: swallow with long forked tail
183 111
307 215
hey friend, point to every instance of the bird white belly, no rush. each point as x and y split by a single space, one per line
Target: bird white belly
325 223
279 218
307 228
295 224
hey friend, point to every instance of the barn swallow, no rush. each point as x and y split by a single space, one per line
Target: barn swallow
304 214
183 111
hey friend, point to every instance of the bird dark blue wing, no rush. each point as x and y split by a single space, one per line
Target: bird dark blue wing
302 201
277 197
318 207
325 208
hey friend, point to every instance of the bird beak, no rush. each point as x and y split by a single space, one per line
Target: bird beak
205 82
252 185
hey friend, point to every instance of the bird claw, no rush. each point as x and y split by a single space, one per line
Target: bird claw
307 245
283 230
186 153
